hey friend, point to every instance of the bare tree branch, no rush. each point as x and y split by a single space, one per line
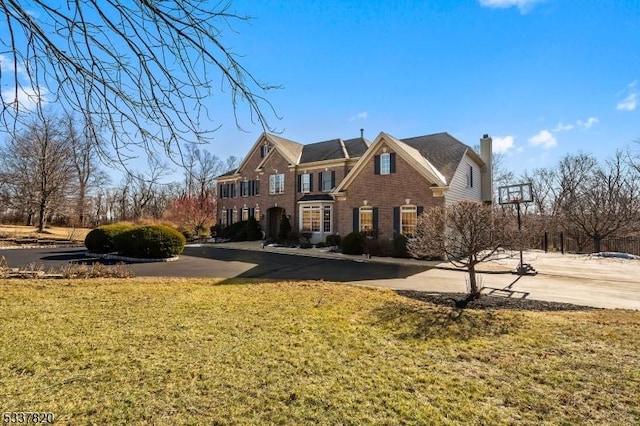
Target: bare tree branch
141 71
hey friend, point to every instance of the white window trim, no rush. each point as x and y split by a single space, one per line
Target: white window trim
305 186
276 184
408 209
385 163
363 209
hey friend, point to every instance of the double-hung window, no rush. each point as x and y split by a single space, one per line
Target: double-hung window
276 184
244 188
385 163
305 182
327 181
366 219
408 221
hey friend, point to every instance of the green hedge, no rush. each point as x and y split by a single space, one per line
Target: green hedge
353 243
101 239
150 241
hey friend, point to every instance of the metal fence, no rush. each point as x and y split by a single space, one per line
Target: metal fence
565 243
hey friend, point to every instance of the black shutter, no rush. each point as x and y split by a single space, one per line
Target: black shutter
310 182
220 191
375 218
419 210
256 187
356 219
252 212
299 183
320 182
396 220
376 164
333 180
392 162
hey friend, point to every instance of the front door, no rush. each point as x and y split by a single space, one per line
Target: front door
274 216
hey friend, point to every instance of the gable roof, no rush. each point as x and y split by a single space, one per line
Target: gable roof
290 150
443 151
436 156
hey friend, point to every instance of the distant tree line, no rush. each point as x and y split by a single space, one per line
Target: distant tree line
51 172
586 197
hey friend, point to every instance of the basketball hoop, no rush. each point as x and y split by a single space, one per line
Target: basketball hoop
518 194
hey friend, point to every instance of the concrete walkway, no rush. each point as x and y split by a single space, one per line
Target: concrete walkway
578 279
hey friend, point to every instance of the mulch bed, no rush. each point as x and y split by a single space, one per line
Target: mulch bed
491 302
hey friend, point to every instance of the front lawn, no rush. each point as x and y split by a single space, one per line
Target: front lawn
171 351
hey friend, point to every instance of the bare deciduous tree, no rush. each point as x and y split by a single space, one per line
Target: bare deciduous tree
465 233
599 200
143 71
38 164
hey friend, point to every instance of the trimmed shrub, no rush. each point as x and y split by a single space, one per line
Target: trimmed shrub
353 243
400 246
252 229
187 234
102 238
285 228
150 241
334 240
217 230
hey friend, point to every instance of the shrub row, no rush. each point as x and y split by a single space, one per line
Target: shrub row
146 241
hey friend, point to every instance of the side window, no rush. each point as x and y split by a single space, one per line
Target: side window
385 163
366 219
408 220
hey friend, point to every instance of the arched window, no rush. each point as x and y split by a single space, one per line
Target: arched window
408 220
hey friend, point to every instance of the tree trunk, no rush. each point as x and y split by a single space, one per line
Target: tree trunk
42 218
472 280
596 243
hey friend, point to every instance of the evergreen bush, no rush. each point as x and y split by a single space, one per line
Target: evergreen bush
102 238
353 243
150 241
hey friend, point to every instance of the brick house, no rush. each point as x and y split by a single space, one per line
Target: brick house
340 186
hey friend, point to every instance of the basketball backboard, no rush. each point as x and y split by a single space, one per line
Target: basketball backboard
515 194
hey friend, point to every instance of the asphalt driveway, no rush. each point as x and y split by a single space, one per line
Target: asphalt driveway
211 261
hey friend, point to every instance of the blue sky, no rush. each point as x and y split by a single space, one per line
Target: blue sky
542 77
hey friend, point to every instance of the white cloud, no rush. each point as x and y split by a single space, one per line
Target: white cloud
589 123
523 5
630 102
502 144
544 138
27 99
361 116
563 127
7 65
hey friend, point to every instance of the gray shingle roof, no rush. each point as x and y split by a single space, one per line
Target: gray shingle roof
441 149
333 149
356 147
229 173
316 197
319 151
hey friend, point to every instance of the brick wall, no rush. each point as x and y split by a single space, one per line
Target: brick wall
384 192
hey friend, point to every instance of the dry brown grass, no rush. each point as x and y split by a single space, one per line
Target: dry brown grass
53 232
177 351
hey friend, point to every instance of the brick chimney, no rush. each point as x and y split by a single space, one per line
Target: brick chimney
486 154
